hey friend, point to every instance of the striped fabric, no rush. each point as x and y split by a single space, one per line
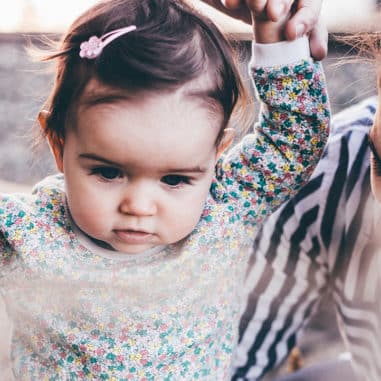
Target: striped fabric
323 240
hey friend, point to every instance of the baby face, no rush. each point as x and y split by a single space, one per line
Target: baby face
138 171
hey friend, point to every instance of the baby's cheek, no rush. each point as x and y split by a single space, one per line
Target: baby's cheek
88 213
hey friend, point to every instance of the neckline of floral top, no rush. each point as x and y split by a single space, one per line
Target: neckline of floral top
114 255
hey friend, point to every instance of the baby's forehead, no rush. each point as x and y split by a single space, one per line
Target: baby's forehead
194 93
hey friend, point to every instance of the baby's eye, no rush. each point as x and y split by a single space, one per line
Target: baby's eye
108 173
175 180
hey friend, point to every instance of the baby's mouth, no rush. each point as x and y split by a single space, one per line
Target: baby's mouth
134 237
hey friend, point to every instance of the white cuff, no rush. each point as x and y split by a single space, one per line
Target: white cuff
280 53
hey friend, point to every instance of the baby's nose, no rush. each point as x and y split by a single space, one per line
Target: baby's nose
138 200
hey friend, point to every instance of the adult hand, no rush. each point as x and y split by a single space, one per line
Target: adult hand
305 18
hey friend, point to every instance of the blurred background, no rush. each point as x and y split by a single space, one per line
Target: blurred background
24 86
54 15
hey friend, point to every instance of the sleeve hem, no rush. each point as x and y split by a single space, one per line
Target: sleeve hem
280 53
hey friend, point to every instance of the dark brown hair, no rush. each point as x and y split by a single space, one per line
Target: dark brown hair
172 46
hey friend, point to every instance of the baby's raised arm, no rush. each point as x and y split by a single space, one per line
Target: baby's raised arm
270 164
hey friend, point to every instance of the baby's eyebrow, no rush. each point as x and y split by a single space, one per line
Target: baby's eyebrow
102 99
92 156
195 169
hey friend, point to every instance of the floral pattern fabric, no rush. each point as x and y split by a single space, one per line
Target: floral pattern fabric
169 315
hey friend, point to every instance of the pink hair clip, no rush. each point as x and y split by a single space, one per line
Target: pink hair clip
93 47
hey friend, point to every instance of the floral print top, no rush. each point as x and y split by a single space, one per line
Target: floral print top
168 314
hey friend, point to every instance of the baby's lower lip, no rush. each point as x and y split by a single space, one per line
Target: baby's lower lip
134 237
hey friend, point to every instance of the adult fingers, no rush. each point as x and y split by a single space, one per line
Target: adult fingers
306 14
234 8
233 4
257 6
278 9
319 41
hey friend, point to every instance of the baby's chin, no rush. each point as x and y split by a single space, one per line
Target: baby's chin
133 250
123 249
132 243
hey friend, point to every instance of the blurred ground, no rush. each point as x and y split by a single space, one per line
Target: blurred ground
23 87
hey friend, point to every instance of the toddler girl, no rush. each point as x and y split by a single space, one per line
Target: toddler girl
128 264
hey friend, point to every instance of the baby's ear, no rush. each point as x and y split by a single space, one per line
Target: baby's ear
55 144
226 140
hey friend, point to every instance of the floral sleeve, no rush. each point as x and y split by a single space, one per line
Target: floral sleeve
270 164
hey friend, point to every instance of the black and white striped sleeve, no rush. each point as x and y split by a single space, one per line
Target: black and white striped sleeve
297 249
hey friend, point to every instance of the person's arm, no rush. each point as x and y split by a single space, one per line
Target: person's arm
286 279
298 252
269 165
284 285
